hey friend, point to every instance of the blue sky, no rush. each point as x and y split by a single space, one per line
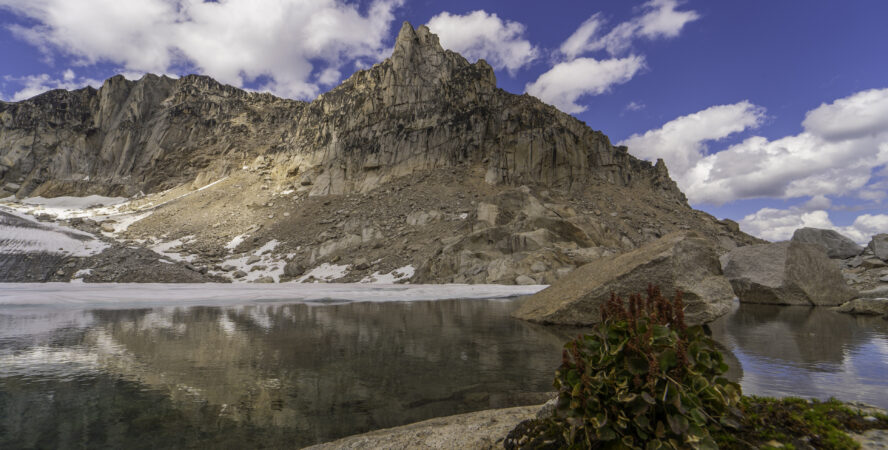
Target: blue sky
773 114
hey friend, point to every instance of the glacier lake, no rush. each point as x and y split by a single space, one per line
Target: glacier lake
266 372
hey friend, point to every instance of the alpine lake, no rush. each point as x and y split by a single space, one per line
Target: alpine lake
271 375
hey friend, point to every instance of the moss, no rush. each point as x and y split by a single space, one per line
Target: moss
794 422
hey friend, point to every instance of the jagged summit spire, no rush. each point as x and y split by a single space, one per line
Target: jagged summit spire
419 42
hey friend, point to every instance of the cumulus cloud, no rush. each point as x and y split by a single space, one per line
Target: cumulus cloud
659 19
566 82
234 41
861 114
682 142
840 149
575 77
779 224
36 84
481 35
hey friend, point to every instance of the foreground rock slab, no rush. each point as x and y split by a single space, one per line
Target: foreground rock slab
786 273
678 261
478 430
834 244
866 306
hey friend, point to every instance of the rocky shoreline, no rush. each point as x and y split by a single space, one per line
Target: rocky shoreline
488 429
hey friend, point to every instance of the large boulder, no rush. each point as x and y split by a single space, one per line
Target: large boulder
786 273
834 244
879 246
676 262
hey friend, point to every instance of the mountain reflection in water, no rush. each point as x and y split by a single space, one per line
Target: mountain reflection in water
295 374
808 352
262 375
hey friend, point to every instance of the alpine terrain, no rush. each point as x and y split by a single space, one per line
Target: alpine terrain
418 169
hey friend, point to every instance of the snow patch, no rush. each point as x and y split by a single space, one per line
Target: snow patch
399 274
82 273
122 223
274 266
231 245
325 272
163 248
51 238
73 203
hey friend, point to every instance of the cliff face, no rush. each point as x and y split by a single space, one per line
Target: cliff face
418 168
423 108
131 136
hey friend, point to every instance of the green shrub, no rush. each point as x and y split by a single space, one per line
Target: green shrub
642 379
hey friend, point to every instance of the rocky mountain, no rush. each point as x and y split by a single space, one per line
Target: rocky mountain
418 168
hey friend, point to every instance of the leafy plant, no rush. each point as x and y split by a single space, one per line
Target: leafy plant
642 379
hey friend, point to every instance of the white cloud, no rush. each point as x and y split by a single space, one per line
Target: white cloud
569 80
659 19
861 114
566 82
635 106
837 154
479 34
583 40
681 142
779 224
37 84
234 41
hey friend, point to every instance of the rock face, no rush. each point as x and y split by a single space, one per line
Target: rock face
879 246
679 261
419 161
786 273
836 245
423 108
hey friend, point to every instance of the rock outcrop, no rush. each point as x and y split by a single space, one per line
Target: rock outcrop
677 262
786 273
866 307
833 243
419 161
878 245
423 108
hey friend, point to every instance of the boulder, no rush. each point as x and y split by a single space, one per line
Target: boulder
866 307
786 273
294 269
879 246
681 261
834 244
524 280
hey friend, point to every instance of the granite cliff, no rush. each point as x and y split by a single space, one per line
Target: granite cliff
419 162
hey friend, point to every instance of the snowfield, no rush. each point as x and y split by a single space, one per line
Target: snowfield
21 234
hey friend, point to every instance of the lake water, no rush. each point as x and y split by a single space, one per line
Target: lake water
287 375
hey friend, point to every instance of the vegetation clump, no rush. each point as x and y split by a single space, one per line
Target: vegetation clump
641 379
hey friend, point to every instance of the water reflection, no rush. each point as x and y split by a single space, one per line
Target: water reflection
303 373
810 352
295 374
